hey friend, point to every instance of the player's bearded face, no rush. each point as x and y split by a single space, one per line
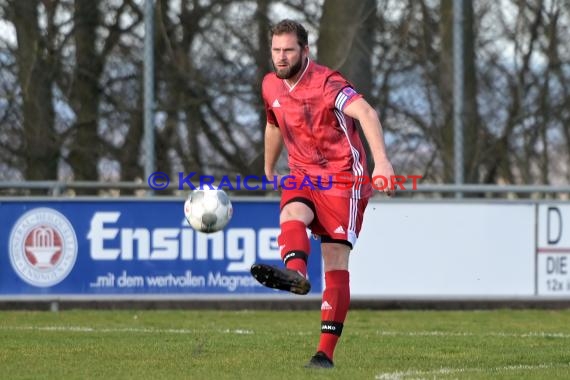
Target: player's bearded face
287 70
287 56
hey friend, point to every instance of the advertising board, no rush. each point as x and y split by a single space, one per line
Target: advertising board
121 247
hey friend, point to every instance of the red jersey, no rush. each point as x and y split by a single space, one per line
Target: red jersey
322 142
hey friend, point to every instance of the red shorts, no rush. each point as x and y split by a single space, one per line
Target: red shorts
337 219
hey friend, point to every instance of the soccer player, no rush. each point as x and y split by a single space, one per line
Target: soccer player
313 111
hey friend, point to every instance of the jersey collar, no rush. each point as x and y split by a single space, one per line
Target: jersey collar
291 87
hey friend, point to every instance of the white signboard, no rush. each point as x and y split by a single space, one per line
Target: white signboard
445 250
553 250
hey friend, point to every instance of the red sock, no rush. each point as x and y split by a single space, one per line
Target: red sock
295 246
336 300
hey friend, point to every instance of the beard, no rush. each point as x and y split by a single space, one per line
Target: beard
288 72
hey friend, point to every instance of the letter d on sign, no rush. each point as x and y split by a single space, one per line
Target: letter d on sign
553 213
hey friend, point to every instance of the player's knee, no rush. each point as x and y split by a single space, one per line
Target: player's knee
296 211
335 256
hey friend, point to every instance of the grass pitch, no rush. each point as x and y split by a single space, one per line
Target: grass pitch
79 344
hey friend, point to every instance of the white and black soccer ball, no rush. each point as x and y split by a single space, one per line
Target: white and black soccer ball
208 210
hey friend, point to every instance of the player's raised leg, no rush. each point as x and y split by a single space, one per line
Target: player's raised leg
293 241
294 247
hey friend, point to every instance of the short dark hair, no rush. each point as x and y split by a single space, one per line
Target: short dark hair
290 26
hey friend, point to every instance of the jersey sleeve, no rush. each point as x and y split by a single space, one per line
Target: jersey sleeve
271 119
269 114
339 92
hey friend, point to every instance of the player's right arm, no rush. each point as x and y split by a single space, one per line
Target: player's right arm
273 139
273 147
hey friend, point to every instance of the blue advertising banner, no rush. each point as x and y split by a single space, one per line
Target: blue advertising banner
138 247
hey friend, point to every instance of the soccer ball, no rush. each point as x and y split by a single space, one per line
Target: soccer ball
208 210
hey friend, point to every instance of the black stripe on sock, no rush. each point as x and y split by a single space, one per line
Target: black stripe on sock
294 255
331 327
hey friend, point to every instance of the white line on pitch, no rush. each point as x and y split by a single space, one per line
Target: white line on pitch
536 334
85 329
400 375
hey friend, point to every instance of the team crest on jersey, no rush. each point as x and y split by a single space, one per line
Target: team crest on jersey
43 247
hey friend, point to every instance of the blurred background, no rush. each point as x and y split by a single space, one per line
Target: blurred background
473 92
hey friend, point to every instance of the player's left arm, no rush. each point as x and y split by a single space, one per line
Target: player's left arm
362 111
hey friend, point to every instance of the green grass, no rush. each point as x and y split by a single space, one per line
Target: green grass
79 344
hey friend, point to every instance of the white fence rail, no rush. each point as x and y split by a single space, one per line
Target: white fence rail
62 188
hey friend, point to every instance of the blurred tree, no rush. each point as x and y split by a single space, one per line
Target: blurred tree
71 84
345 43
524 92
36 64
346 40
263 63
208 87
85 150
92 50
